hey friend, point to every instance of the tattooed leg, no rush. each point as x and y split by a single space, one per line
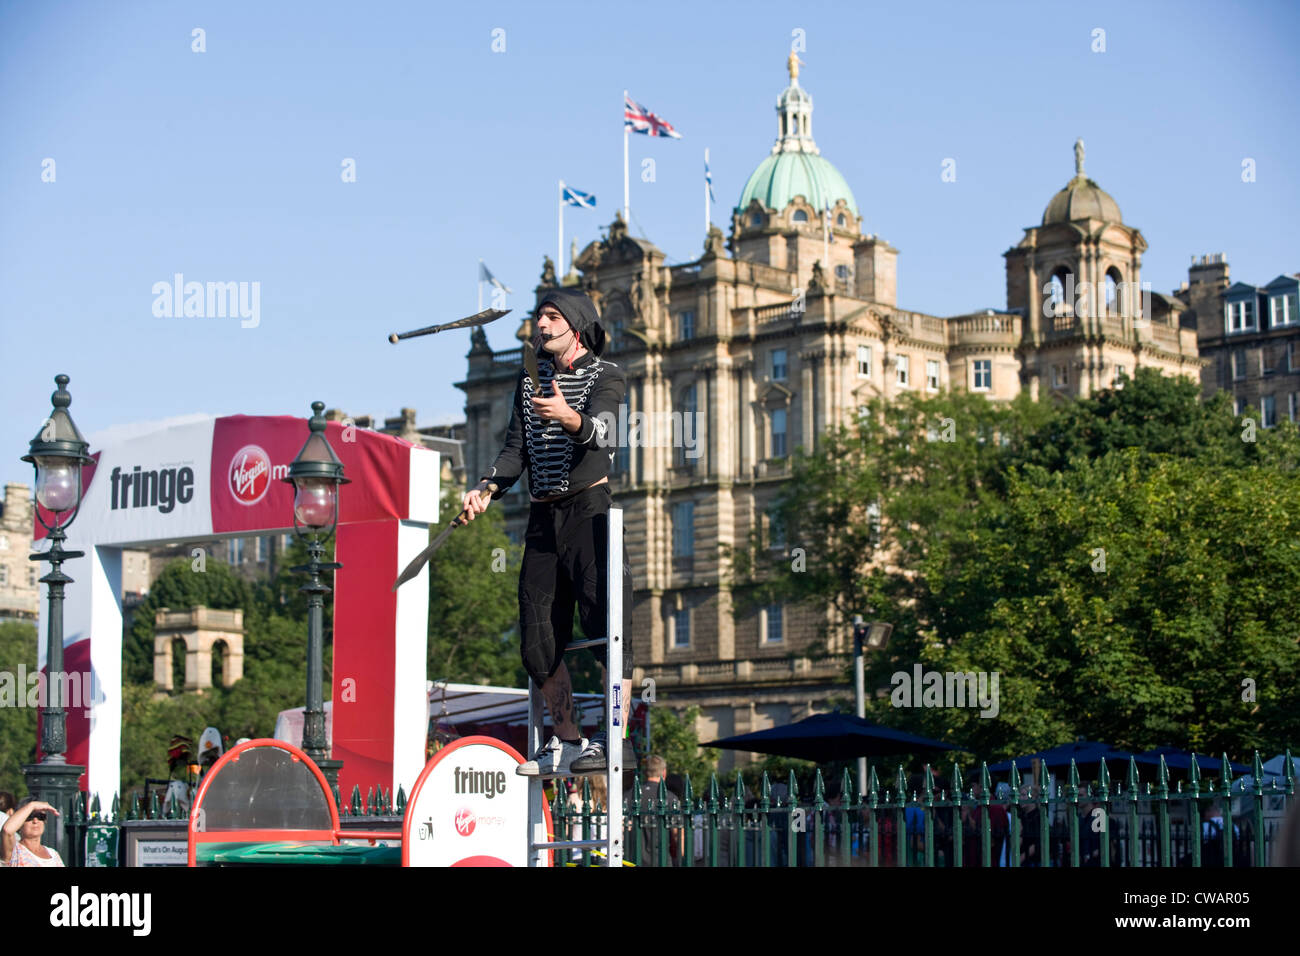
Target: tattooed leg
558 691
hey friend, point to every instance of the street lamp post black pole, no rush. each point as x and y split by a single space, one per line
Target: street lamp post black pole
873 636
58 453
315 475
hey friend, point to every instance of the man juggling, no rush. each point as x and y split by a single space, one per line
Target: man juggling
558 434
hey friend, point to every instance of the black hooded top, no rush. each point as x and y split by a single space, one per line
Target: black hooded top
560 463
580 312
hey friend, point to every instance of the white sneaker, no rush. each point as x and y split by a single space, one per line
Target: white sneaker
553 759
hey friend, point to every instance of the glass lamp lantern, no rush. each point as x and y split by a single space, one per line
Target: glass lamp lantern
316 474
58 453
878 634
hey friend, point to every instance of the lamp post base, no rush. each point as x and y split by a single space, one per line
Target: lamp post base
56 784
331 768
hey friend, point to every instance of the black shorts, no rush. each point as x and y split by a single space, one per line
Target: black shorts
564 564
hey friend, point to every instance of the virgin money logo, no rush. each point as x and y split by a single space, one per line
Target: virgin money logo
250 474
465 821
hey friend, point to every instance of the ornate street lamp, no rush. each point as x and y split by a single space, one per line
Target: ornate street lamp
316 475
58 453
873 636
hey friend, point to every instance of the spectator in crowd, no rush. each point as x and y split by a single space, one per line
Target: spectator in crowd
1212 836
973 832
598 806
1287 850
20 837
6 804
656 770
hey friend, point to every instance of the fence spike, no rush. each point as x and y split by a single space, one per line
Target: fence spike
847 793
1015 785
153 806
1258 773
713 792
688 794
1225 774
1194 775
116 809
873 785
370 800
401 799
355 802
1132 775
765 792
1163 778
792 786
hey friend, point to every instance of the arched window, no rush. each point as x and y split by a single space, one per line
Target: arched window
841 220
800 216
756 220
1114 288
1056 303
179 652
219 651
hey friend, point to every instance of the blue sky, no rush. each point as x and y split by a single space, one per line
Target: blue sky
225 166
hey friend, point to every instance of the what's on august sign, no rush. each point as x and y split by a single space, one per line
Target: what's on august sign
468 808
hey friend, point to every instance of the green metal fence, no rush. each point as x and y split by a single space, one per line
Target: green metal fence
377 810
1076 823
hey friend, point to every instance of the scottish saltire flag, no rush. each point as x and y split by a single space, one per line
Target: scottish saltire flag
708 179
576 197
640 120
485 275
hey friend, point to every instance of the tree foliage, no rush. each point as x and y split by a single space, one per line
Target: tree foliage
989 519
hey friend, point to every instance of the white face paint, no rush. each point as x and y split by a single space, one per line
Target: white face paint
558 337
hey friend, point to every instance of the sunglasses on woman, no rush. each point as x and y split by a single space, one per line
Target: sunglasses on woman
37 815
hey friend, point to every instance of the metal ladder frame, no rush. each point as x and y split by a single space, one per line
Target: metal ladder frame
612 845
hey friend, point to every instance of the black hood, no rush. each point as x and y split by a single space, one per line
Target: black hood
580 312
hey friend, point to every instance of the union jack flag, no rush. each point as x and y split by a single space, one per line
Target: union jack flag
640 120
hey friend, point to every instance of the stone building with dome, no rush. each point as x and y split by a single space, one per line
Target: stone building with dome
781 329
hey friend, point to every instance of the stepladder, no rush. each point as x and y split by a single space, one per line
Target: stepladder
610 845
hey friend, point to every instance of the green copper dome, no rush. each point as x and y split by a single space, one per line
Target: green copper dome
782 176
795 166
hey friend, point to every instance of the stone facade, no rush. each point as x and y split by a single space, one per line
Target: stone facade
20 594
1250 338
775 334
204 632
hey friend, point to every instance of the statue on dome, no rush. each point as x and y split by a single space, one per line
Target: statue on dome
548 272
792 64
1078 158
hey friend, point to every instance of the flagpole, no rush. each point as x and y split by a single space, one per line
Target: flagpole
559 239
706 193
826 237
625 189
